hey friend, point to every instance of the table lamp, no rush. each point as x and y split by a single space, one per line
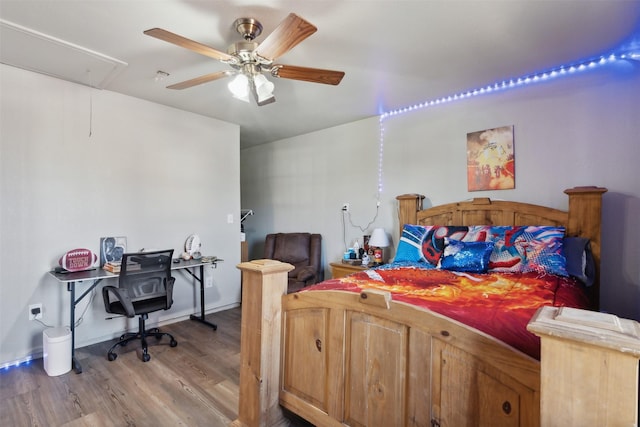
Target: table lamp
378 241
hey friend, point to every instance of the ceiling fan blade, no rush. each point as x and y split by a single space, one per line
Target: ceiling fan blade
291 31
186 43
200 80
313 75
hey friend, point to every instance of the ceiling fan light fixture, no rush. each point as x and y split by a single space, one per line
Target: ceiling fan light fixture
239 87
262 89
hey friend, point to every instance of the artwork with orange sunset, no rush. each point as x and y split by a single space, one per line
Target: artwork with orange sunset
491 160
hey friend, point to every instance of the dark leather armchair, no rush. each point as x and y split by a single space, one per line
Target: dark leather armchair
145 285
303 251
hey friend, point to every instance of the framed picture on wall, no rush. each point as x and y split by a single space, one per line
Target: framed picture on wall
491 160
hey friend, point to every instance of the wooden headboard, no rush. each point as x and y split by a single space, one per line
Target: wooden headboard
581 219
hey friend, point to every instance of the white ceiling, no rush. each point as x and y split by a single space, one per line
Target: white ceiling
395 53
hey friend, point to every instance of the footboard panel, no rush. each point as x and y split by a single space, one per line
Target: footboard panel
376 360
302 354
350 362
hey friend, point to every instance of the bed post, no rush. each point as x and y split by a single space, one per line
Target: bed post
264 282
409 205
585 216
589 367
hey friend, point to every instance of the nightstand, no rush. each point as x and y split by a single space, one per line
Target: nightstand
340 269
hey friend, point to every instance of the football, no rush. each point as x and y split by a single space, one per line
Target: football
78 260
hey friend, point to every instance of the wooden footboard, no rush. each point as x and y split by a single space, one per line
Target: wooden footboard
363 360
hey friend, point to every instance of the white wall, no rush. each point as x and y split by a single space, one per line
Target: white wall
146 171
579 130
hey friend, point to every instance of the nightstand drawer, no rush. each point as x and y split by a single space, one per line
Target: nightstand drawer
339 269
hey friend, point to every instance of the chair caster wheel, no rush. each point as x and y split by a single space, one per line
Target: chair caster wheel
112 357
146 357
173 343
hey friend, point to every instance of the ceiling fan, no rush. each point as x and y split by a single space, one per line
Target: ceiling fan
249 60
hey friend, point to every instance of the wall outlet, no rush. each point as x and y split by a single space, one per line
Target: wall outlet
35 311
208 281
345 207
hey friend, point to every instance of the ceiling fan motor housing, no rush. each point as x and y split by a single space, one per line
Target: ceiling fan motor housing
243 51
248 28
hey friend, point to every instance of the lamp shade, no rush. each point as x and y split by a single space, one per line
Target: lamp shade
379 238
262 89
239 87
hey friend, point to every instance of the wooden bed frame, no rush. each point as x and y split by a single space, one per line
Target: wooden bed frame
339 358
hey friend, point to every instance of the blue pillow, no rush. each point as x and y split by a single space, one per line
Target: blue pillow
471 257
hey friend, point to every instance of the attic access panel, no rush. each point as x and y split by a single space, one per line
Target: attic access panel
34 51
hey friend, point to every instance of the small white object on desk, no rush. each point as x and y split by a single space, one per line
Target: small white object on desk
365 260
192 244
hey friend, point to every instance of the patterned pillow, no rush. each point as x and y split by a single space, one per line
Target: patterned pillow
543 248
516 249
472 257
434 242
507 256
425 243
410 245
523 249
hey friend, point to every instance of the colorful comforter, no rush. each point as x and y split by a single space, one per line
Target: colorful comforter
499 304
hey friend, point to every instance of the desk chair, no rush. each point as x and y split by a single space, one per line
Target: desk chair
145 285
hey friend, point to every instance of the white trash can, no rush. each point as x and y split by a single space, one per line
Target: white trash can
56 348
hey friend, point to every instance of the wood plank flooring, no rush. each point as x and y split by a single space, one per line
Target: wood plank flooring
193 384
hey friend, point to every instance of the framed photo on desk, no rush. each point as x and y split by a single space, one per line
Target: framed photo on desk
112 249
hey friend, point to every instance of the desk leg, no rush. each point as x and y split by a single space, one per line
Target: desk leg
71 287
201 318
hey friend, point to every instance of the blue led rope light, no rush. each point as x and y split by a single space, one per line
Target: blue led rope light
380 157
26 361
562 71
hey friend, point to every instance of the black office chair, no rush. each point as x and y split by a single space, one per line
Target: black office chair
145 285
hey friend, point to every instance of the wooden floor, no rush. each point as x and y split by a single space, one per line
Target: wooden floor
193 384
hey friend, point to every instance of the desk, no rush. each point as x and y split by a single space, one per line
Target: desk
97 275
